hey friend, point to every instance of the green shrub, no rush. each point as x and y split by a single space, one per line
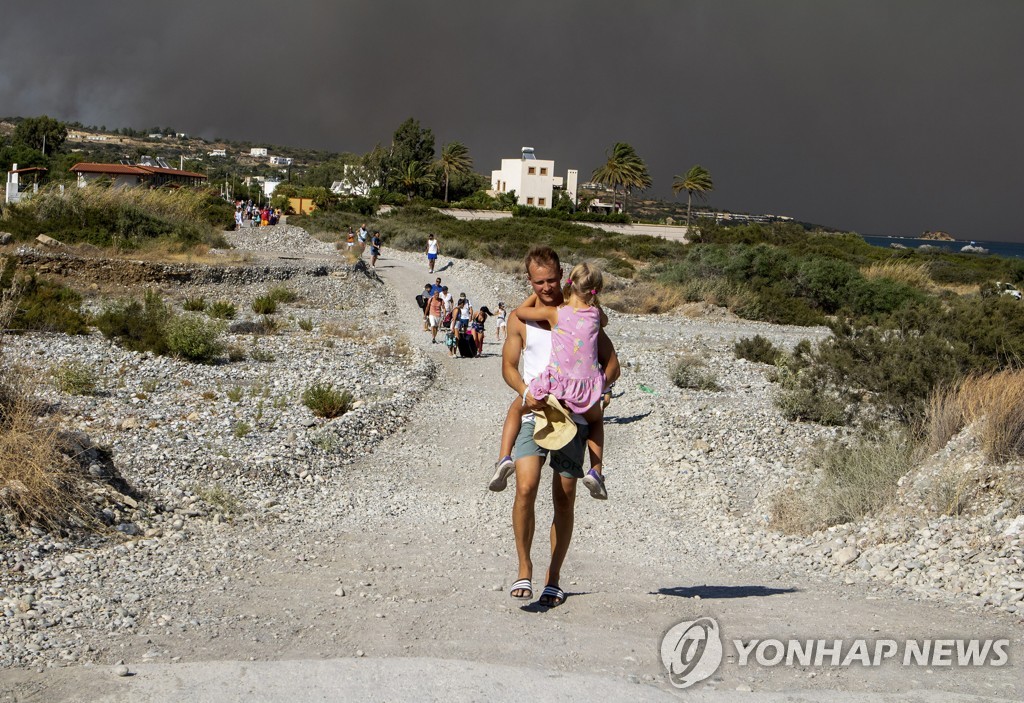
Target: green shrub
262 355
235 353
306 324
281 294
689 372
324 401
196 304
264 305
222 310
41 304
241 429
235 394
801 403
122 217
195 338
758 349
74 378
137 326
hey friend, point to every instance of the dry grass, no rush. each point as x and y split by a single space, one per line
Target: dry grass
643 298
719 292
343 330
38 484
513 267
994 401
855 480
916 275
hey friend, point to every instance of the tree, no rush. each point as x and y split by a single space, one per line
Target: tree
623 167
410 143
44 134
455 160
697 180
415 177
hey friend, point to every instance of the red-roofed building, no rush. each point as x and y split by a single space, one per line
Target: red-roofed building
123 176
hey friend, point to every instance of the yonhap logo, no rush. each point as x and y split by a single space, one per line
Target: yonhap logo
691 651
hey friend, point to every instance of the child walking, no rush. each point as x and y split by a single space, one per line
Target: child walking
573 374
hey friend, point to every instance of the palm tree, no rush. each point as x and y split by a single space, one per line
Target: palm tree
697 180
615 171
623 168
414 177
455 160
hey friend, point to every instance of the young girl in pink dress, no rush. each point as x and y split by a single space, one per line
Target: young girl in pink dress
573 374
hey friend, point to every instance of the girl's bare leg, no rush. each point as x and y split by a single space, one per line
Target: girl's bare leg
510 430
595 438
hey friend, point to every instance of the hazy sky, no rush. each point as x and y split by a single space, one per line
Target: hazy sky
880 116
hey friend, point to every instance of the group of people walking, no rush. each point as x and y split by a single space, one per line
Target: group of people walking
461 325
249 214
363 237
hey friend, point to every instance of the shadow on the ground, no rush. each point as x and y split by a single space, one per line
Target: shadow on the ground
536 607
618 420
723 592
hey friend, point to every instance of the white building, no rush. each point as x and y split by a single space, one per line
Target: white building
219 152
258 151
281 160
355 181
532 179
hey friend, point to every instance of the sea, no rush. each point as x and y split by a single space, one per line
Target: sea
1007 249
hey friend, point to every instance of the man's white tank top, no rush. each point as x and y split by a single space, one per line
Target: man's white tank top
537 352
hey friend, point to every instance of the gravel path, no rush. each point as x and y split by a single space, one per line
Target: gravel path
374 537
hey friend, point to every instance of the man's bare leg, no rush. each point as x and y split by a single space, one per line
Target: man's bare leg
524 514
563 493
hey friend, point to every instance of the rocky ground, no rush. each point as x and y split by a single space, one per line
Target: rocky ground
257 530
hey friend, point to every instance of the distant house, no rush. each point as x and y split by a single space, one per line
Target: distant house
258 151
281 160
16 187
156 135
219 152
126 176
532 179
355 182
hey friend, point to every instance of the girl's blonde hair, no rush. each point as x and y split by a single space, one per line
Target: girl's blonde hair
586 281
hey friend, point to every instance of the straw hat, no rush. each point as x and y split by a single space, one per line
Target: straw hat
554 427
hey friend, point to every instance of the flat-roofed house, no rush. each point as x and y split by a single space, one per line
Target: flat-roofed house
532 179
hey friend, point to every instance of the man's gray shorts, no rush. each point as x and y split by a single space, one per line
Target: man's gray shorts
568 461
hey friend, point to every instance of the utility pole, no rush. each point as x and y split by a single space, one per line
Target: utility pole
44 144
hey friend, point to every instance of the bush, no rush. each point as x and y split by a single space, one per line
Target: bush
689 372
758 349
195 338
324 401
222 310
306 324
855 480
122 217
197 304
801 403
264 305
281 294
137 326
74 378
40 304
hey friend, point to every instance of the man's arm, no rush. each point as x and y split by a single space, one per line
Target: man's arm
511 352
607 357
